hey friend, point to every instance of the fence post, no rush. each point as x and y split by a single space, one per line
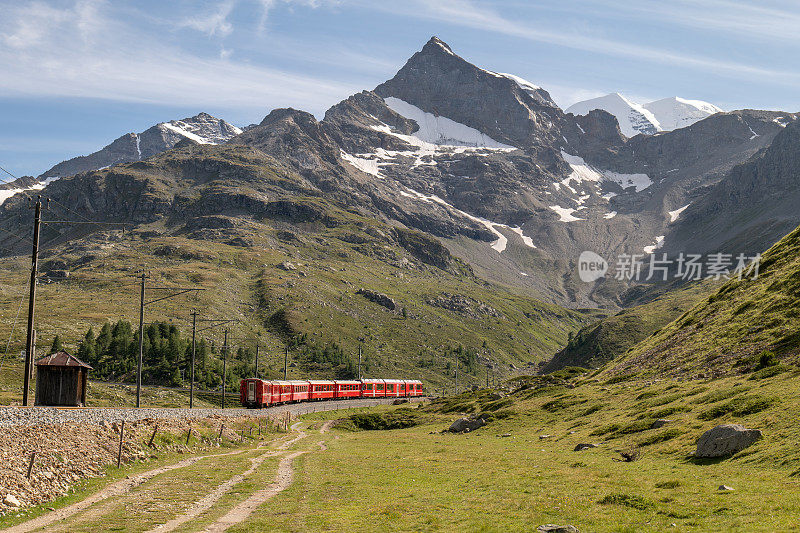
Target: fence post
30 465
188 434
121 437
153 436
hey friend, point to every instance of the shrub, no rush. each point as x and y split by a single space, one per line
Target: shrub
592 409
560 404
768 372
668 485
739 407
627 500
766 359
620 378
397 419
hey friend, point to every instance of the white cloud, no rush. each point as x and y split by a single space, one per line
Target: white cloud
214 23
90 49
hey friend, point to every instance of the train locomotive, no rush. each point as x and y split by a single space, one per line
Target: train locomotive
258 393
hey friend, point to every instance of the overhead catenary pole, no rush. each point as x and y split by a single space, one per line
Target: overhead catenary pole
37 222
359 360
141 344
286 363
194 351
256 360
224 365
456 373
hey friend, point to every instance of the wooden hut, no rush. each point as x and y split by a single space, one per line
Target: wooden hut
61 380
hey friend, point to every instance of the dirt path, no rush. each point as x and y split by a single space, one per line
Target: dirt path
282 480
213 497
118 488
210 499
240 513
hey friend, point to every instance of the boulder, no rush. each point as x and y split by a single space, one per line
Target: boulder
584 446
462 425
725 488
725 439
660 423
553 528
11 501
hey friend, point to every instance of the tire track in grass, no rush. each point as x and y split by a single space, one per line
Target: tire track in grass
116 489
240 513
208 501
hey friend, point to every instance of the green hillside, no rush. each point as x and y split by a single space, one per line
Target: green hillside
608 338
728 331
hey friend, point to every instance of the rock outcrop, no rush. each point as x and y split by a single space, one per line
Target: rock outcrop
724 440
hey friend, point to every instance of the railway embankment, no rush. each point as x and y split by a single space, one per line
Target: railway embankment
45 452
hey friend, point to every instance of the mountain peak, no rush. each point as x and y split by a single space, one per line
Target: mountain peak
437 45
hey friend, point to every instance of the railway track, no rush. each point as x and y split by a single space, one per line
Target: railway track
31 416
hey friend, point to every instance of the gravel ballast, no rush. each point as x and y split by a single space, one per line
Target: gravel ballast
34 416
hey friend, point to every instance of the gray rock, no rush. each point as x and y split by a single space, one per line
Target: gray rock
378 298
463 425
660 423
725 488
725 439
584 446
553 528
11 501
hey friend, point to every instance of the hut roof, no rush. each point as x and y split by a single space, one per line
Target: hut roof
61 358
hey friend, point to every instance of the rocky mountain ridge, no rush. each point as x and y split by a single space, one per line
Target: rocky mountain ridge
485 162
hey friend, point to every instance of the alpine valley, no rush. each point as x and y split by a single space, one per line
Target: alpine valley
445 209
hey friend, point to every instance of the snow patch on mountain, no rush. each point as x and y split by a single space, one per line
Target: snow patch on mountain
370 166
565 214
581 171
633 118
658 243
660 115
5 194
675 113
443 131
502 241
673 215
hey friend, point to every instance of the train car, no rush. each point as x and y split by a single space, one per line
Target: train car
347 389
299 390
414 388
320 389
281 392
373 388
258 393
255 393
393 387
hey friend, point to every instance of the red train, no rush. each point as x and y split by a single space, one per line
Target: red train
260 393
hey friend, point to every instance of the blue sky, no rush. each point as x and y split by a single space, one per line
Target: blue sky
76 74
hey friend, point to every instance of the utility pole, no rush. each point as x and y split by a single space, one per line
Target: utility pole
359 359
256 360
194 351
141 345
456 373
37 222
224 365
286 363
487 376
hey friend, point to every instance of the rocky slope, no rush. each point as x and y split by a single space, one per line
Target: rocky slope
202 128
